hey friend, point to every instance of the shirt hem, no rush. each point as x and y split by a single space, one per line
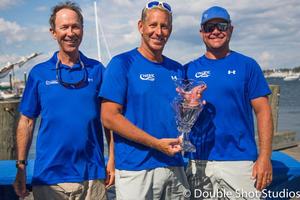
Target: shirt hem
68 180
150 167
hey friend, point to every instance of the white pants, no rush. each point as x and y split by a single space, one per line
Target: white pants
87 190
222 180
159 183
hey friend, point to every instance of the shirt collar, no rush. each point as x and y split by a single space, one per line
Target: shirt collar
83 58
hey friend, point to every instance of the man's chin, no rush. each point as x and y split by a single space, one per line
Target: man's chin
70 49
159 47
217 45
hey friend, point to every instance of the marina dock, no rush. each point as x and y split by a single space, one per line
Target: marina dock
294 152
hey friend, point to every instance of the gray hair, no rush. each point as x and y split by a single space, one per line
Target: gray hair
68 5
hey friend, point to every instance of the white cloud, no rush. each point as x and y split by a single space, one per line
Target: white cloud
264 59
8 3
131 38
184 21
5 58
11 31
38 33
121 3
42 8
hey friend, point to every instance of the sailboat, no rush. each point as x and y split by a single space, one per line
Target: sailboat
11 89
7 95
4 71
291 77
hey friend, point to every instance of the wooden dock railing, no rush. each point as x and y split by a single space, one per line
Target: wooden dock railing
8 122
284 139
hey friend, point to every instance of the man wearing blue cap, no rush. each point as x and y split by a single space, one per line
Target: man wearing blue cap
226 162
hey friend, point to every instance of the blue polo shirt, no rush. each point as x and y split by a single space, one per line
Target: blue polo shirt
145 90
69 146
224 130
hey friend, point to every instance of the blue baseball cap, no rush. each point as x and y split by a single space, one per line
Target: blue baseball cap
215 12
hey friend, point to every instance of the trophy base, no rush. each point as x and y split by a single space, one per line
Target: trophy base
187 146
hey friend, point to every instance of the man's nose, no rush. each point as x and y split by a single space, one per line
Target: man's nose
216 30
158 30
70 31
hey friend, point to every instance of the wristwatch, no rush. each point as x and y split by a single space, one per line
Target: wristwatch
21 162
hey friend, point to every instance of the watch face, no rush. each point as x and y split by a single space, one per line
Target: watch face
20 162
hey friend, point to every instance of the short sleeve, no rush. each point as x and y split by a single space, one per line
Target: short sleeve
114 86
257 84
30 103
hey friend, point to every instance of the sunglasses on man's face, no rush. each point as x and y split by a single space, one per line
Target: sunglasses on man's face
210 27
154 4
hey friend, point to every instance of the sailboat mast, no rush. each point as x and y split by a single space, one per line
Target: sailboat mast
97 31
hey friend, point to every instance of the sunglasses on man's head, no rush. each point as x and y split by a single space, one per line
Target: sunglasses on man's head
153 4
210 27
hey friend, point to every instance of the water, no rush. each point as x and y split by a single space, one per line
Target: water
289 105
289 109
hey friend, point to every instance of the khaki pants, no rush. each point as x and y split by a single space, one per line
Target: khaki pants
87 190
221 180
165 183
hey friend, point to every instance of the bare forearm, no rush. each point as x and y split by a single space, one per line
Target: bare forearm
265 132
119 124
24 136
110 142
113 119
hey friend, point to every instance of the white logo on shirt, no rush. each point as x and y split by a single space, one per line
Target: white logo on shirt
147 77
174 78
202 74
231 72
51 82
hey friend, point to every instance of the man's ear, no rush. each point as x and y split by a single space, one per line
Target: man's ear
231 29
52 33
230 32
201 33
171 29
140 27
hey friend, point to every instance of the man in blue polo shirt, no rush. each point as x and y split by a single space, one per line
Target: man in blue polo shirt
226 161
138 89
63 91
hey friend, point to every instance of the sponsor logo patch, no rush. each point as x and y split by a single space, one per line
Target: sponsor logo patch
202 74
147 77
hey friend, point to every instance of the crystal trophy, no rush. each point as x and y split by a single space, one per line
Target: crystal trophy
187 106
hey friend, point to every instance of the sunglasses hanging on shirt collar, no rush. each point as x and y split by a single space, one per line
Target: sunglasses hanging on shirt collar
80 84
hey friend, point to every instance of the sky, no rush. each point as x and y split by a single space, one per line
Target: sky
268 30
